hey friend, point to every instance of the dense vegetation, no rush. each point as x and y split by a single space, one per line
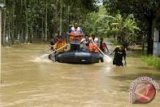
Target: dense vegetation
125 20
27 20
105 24
146 12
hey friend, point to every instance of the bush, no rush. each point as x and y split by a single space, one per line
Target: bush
153 61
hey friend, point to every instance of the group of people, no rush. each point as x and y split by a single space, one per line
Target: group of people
79 41
92 44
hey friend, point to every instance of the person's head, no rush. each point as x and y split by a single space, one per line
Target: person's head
90 39
86 36
101 39
75 25
93 36
117 47
122 47
60 38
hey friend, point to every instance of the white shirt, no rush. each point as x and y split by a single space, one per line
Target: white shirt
78 29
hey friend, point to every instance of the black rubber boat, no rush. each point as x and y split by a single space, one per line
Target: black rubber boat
77 57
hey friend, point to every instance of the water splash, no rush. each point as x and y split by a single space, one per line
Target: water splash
107 58
42 58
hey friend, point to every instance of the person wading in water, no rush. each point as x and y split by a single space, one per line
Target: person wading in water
119 56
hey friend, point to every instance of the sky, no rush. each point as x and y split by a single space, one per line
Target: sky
99 2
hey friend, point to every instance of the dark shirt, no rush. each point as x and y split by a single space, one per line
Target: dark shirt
118 56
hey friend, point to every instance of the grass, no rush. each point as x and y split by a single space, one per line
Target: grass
152 61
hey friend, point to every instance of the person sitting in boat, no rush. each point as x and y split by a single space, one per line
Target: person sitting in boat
103 46
95 39
83 44
53 40
60 45
92 47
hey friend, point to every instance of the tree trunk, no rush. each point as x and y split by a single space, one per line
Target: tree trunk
149 37
46 25
31 35
0 28
61 8
26 23
42 36
4 28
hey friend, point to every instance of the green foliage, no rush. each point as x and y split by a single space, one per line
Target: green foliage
146 12
153 61
39 19
105 24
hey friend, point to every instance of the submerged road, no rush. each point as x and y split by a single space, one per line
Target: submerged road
29 79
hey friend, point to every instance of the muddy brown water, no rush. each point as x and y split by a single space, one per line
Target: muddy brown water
29 79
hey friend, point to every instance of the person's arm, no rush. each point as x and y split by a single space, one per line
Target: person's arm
113 51
106 47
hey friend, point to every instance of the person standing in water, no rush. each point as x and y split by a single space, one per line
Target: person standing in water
75 35
119 56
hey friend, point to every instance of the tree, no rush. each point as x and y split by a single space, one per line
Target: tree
29 20
145 12
105 24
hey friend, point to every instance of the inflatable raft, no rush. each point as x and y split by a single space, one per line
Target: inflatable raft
77 57
75 54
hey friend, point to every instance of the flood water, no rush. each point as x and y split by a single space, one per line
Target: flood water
29 79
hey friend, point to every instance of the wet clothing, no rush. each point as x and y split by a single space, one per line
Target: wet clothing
93 48
75 38
103 47
59 44
75 34
118 56
53 41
